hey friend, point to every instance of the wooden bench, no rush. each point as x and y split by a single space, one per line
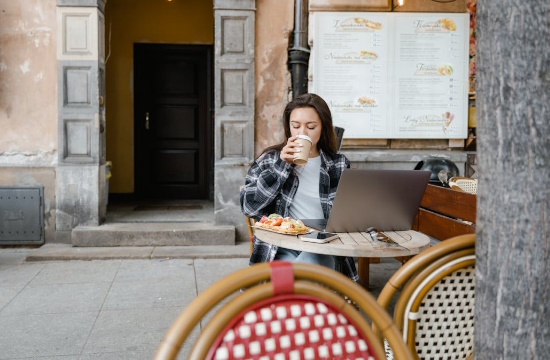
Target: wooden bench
445 213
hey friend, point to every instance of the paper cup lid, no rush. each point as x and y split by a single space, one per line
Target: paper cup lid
304 137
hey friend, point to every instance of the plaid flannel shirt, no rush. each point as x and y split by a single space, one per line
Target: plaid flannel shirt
270 188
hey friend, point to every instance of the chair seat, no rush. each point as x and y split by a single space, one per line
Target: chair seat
291 327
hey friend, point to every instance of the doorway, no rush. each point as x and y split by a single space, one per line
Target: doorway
173 141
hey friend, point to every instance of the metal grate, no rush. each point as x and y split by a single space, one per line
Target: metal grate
21 215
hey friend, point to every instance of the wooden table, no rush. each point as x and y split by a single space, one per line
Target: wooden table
358 244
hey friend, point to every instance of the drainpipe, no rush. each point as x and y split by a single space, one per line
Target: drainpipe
298 54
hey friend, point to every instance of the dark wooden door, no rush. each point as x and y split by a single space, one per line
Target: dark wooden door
172 121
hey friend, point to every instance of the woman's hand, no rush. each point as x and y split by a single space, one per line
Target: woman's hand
289 151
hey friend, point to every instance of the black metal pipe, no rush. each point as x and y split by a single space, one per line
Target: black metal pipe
298 57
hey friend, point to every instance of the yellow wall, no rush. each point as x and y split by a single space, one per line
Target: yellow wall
141 21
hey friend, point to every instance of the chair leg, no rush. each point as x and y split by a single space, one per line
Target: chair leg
249 224
363 270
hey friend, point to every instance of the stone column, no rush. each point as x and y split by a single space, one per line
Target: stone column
234 107
80 178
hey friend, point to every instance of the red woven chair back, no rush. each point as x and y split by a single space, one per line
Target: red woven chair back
286 311
291 327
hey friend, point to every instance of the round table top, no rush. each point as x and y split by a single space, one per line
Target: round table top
358 244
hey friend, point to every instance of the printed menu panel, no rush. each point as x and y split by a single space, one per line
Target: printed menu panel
393 75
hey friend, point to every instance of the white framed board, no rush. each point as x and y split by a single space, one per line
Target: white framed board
393 75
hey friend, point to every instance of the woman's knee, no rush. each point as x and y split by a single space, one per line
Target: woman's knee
317 259
286 254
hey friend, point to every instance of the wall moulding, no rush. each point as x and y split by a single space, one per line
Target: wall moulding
78 35
234 135
83 3
450 6
77 135
350 5
235 5
77 86
35 158
233 39
235 30
234 87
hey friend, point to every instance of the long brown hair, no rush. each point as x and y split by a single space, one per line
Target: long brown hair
327 141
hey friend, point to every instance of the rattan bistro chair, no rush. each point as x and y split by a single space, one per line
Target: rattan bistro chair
435 309
465 184
250 227
288 311
339 136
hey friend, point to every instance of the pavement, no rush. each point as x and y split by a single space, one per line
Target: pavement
59 302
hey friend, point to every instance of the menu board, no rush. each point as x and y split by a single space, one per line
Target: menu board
393 75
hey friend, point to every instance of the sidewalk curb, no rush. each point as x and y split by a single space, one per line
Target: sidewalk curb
63 252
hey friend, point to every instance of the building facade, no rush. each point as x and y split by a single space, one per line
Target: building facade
83 81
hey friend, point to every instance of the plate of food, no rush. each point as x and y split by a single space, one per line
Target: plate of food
282 225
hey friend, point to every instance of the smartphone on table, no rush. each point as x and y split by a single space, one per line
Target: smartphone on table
319 237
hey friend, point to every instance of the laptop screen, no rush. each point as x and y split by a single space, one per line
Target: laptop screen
384 199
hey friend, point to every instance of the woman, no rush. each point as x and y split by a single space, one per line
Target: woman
274 184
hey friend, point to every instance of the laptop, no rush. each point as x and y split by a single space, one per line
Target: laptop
384 199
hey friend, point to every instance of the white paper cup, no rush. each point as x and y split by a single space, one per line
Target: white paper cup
303 155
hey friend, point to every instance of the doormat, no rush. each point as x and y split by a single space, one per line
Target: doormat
167 207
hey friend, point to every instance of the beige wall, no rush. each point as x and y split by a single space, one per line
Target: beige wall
148 21
274 26
28 82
